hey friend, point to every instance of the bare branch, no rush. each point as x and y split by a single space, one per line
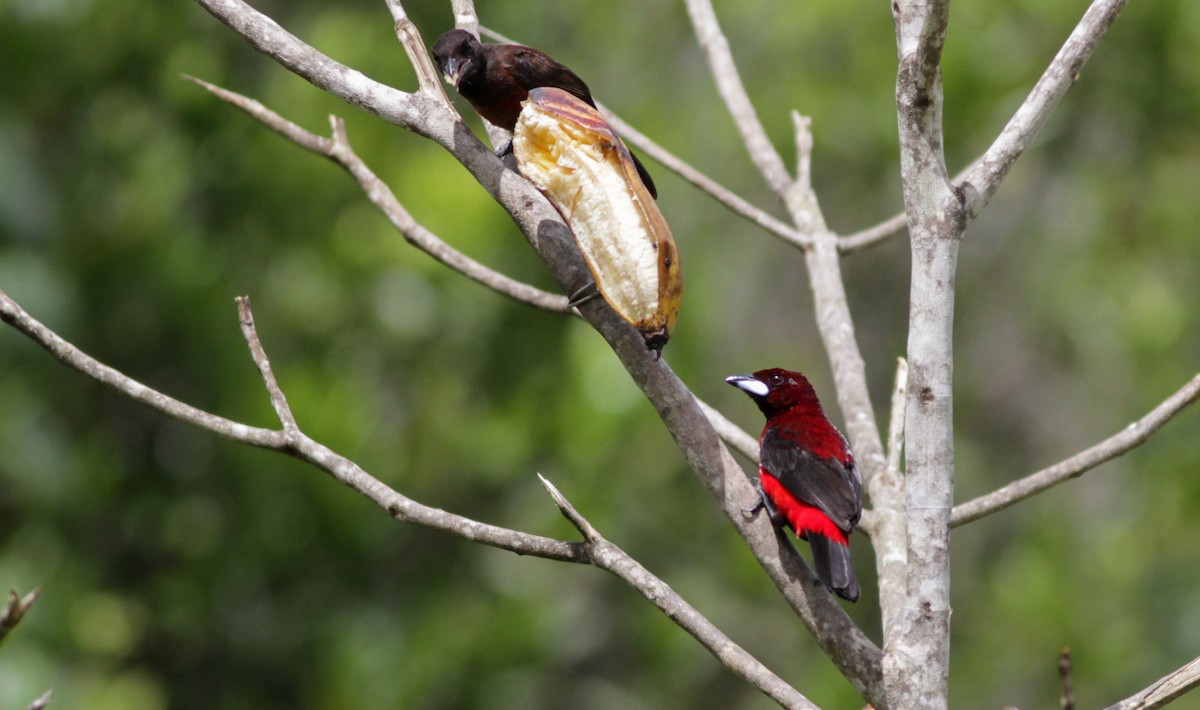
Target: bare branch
916 673
1132 436
712 188
42 701
729 84
896 421
1062 73
590 534
15 610
612 558
820 248
72 357
428 77
297 445
871 236
802 125
832 310
891 226
464 15
685 170
1165 689
278 400
1067 699
399 107
731 433
339 150
859 653
855 655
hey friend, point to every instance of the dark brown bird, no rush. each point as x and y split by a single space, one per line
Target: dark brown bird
496 78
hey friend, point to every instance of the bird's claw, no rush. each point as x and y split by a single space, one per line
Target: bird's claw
583 294
764 503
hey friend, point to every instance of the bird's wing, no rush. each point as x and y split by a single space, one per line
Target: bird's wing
828 484
535 69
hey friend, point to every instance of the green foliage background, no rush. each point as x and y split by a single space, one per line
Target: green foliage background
183 571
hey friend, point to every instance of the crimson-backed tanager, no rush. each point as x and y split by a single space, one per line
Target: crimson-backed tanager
807 475
496 78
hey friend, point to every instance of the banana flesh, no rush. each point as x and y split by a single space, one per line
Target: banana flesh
567 149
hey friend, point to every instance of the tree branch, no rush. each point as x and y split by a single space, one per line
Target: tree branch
707 185
296 444
10 616
293 441
896 420
917 667
845 643
1132 436
278 401
1165 689
15 610
42 701
685 170
833 316
612 558
731 433
464 15
729 84
871 236
339 150
981 183
428 77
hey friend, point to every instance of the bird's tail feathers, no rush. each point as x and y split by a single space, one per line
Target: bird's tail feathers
832 562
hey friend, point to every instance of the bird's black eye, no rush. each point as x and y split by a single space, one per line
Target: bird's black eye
775 379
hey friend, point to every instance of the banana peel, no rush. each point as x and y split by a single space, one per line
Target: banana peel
567 149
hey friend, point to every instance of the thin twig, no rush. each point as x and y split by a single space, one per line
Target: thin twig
278 400
428 78
685 170
891 226
729 84
339 150
723 195
611 558
1066 700
1062 73
802 125
1132 436
76 359
298 445
871 236
15 610
895 445
465 16
731 433
42 702
590 534
1164 690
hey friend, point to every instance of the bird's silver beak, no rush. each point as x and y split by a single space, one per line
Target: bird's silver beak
749 384
452 72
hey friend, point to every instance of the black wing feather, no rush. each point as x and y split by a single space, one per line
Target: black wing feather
536 69
828 484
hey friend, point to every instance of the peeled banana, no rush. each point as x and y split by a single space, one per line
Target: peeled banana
567 149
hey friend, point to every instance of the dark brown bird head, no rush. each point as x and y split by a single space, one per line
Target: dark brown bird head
458 53
776 391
